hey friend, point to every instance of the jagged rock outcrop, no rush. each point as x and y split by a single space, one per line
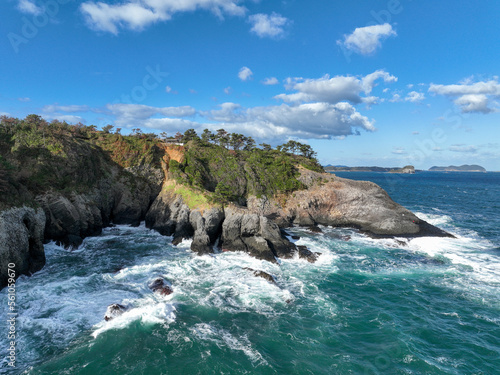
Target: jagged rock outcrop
207 229
238 229
254 234
69 219
169 215
339 202
21 241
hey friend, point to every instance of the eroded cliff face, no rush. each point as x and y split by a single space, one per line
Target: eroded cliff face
21 241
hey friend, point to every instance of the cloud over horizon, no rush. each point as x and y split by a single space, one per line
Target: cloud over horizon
470 97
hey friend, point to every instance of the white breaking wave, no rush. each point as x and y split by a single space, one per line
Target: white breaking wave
221 337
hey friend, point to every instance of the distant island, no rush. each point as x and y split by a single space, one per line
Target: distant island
462 168
409 169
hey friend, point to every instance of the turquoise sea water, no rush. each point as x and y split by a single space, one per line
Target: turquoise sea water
430 306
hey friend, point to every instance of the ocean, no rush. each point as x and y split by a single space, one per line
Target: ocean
367 306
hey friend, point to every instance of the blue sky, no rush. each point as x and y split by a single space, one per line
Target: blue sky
386 83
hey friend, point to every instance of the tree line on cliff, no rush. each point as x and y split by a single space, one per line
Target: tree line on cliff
38 156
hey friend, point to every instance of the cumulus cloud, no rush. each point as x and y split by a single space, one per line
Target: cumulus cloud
334 90
24 99
136 114
265 25
471 97
415 97
270 81
245 74
111 16
474 103
29 7
310 120
366 40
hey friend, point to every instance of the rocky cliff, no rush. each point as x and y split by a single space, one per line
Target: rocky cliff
21 237
77 181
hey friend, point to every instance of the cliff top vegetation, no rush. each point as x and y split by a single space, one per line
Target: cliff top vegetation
38 156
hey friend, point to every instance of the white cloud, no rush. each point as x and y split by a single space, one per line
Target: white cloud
136 114
399 151
137 14
334 90
24 99
471 97
270 81
368 82
310 120
474 103
70 119
245 74
228 90
29 7
65 108
415 97
395 98
463 148
366 40
265 25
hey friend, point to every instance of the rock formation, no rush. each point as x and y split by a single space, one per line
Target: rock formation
21 241
218 197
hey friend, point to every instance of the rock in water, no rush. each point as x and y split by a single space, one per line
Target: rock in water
305 253
159 285
114 311
254 234
262 274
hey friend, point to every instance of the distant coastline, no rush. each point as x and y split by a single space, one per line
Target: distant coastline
409 169
462 168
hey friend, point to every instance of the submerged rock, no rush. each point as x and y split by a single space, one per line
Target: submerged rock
262 274
159 285
114 310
